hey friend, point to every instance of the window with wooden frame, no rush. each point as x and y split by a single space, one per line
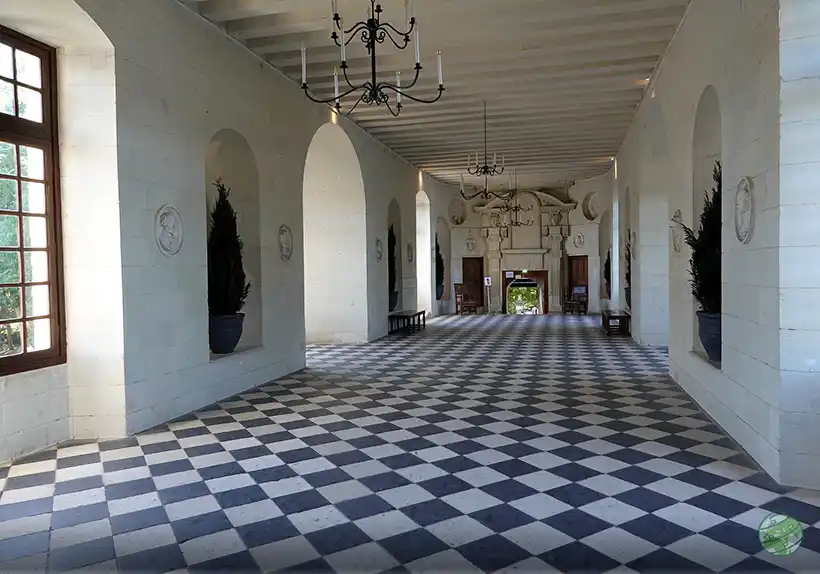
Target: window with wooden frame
32 324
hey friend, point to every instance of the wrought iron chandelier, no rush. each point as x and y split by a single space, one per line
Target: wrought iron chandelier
373 31
485 170
513 208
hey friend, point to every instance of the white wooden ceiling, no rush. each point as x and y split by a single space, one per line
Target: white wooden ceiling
562 78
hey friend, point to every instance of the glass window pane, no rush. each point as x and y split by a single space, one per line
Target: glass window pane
10 303
8 159
32 162
29 70
33 197
8 195
9 267
35 266
37 302
38 335
11 339
9 233
6 98
6 62
30 104
34 232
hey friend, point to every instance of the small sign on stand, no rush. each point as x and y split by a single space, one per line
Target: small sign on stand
488 281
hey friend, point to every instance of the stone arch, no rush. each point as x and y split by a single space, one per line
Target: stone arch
445 246
335 240
231 159
425 266
92 207
394 222
706 150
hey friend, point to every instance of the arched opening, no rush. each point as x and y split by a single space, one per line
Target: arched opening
706 155
424 254
335 240
605 253
395 256
442 236
231 160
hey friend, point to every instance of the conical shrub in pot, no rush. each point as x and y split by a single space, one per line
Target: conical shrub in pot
228 287
439 272
705 267
391 268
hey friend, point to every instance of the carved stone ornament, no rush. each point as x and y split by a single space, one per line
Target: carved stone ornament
169 230
578 240
590 206
285 242
410 253
744 211
677 231
379 250
470 242
457 212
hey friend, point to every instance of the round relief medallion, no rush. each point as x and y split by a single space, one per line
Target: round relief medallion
744 211
285 242
457 212
379 250
578 240
470 242
169 230
590 206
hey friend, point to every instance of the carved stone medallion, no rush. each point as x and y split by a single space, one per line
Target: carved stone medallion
744 211
578 240
169 230
457 212
285 242
470 242
379 250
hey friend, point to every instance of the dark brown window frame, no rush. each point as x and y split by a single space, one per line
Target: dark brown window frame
45 136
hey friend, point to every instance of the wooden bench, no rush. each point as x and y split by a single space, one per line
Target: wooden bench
407 321
615 322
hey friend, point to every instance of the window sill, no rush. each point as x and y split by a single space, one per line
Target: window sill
238 352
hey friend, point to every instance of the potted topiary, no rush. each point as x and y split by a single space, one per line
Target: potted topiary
439 272
628 271
391 268
608 274
705 266
227 287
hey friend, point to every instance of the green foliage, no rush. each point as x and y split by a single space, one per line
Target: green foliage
705 259
439 264
391 259
528 295
227 287
608 268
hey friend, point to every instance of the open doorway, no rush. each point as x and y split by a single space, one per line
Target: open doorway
522 282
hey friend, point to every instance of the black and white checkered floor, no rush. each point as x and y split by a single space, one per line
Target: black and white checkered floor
490 443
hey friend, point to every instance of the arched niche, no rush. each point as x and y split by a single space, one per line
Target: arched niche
445 246
424 254
706 150
335 240
231 159
394 223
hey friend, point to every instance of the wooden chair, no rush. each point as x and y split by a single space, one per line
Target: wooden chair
464 300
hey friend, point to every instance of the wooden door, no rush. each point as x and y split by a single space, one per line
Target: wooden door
472 273
578 273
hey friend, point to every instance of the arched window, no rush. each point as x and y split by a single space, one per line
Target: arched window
32 328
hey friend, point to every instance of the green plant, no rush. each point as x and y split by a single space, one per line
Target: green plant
608 268
227 286
391 258
705 260
439 264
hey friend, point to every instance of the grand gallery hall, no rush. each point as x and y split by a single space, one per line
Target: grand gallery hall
410 286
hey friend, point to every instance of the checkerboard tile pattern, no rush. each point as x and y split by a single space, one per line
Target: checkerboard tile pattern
485 443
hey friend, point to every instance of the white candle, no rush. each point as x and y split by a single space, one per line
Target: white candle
469 157
406 10
462 183
440 76
335 6
502 162
494 158
511 183
398 85
342 28
413 9
336 84
304 64
418 47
